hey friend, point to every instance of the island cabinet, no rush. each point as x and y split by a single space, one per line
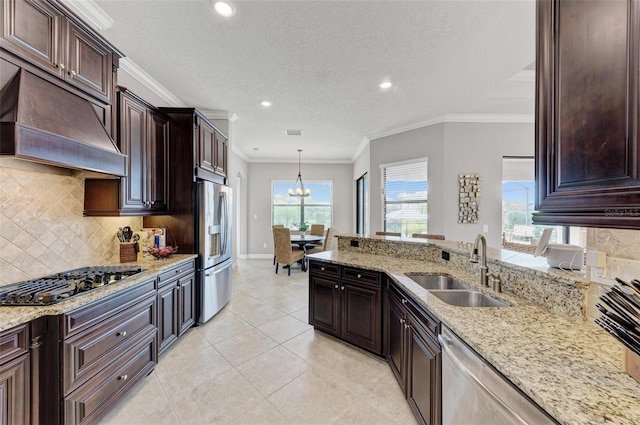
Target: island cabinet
587 113
15 376
414 354
143 135
107 347
347 302
176 303
46 34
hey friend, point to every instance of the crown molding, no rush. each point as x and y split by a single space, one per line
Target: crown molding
131 68
214 114
361 147
91 13
490 118
457 118
295 161
238 152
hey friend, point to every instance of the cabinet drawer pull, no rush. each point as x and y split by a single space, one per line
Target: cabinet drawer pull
336 286
123 377
404 301
342 288
322 268
359 275
72 73
178 271
123 333
401 320
61 66
406 326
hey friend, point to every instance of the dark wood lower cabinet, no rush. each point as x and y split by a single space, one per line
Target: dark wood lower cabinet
414 354
15 376
176 304
347 303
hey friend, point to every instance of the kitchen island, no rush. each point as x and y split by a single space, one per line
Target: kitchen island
571 368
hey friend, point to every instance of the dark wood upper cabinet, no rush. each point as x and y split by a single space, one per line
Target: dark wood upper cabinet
212 150
143 135
221 155
47 35
587 113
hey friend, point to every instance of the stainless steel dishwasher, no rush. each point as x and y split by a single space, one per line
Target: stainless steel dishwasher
474 393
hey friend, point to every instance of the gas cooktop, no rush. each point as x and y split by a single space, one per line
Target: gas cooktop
62 286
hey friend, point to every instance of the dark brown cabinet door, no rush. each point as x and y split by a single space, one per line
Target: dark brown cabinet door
324 304
423 374
133 143
395 346
361 315
88 62
31 28
14 391
587 113
187 308
221 155
167 312
206 148
158 146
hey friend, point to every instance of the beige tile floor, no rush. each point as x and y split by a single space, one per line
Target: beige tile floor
259 362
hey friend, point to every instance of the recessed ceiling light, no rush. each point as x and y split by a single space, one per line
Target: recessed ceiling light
293 132
385 85
265 103
255 149
223 8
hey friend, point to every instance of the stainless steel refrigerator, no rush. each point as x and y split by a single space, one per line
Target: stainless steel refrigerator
214 246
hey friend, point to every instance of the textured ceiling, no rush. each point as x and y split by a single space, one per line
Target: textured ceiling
320 63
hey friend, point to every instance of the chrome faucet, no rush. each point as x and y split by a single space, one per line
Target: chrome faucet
484 270
484 279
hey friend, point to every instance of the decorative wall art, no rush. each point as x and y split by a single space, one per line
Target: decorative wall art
468 198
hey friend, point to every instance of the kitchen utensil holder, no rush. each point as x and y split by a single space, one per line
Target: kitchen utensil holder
631 363
128 252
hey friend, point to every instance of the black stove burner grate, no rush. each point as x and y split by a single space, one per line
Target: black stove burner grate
62 286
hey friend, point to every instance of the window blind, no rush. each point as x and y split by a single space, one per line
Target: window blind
405 191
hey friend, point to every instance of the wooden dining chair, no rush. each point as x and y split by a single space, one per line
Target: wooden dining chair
388 234
284 252
428 236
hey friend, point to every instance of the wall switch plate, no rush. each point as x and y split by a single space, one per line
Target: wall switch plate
485 228
355 243
264 245
596 259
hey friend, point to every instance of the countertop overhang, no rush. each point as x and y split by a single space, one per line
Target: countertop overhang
572 370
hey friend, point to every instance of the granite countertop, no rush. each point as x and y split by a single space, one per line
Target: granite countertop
572 370
11 316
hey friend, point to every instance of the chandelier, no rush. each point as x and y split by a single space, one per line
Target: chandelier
298 188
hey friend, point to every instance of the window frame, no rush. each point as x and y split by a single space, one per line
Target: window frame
290 183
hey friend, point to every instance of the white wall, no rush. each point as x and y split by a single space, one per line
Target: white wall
453 149
259 198
422 142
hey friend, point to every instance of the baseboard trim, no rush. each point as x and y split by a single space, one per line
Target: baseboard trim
260 256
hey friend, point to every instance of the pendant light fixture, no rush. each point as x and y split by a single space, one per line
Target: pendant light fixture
298 188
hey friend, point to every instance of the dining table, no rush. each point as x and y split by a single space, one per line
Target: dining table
302 241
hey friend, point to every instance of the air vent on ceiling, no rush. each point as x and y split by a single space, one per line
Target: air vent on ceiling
293 132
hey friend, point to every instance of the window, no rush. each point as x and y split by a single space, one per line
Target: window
316 208
518 204
404 190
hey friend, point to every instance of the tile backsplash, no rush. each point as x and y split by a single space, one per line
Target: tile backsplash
42 229
615 242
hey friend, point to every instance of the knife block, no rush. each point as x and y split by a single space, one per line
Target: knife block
128 252
631 364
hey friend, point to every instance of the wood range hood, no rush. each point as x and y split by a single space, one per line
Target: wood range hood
44 123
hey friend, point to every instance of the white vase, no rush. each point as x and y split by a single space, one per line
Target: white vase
302 234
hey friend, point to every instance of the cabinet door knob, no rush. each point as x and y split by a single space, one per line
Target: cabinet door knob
123 333
336 286
359 275
342 288
404 301
401 320
72 73
322 268
123 377
406 326
61 66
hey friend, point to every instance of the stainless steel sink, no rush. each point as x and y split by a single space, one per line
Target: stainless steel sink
437 281
467 299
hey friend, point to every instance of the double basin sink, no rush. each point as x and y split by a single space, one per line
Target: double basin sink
451 291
